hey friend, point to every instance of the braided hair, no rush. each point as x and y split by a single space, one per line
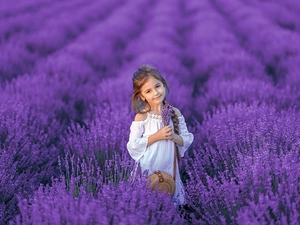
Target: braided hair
167 109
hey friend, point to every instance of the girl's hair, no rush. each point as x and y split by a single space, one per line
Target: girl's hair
140 77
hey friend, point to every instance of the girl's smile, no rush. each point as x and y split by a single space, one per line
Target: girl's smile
157 97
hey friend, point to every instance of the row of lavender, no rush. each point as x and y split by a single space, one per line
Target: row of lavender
27 39
86 83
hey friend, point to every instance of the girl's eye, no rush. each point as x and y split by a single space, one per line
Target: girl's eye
147 92
158 85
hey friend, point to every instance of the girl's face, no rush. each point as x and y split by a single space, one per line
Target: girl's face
153 91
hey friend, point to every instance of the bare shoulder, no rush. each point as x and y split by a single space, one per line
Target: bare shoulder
140 117
177 112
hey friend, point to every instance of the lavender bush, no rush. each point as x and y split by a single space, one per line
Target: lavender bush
122 204
8 11
57 33
259 33
26 155
290 5
80 196
15 23
245 152
287 20
103 140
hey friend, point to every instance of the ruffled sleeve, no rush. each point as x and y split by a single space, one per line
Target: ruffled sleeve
137 144
187 137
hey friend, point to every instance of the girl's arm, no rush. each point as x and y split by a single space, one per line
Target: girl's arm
152 139
137 144
177 139
164 133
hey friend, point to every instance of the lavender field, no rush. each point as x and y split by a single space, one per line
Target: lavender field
66 67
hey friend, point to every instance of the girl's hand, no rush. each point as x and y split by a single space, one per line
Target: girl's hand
165 133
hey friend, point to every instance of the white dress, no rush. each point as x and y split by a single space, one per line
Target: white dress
159 155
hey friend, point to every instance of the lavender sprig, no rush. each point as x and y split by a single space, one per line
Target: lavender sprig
166 114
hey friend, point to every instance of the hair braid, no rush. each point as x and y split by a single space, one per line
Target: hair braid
175 121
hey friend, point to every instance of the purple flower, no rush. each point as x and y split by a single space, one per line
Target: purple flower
166 114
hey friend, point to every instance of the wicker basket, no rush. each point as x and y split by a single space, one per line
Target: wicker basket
162 182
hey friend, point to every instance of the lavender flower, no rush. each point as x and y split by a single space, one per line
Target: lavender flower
166 114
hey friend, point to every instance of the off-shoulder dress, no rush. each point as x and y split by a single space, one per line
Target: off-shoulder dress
159 155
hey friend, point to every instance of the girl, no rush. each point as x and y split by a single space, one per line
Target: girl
151 143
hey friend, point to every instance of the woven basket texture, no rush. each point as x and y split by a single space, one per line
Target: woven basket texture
162 182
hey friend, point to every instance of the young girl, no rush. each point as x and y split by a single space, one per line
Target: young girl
151 143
